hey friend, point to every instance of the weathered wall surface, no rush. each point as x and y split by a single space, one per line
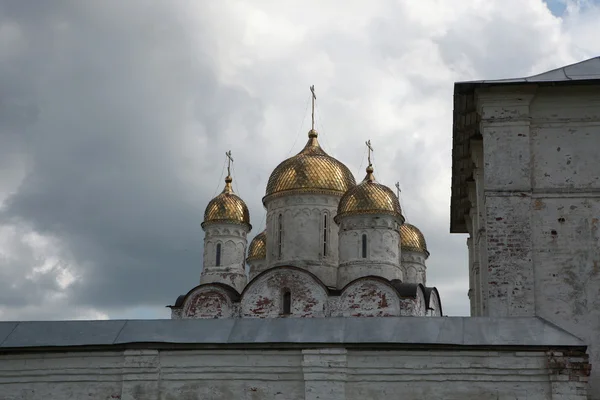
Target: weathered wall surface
264 297
324 374
302 236
565 142
542 202
232 268
383 248
413 267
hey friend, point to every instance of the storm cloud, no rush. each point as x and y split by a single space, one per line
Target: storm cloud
115 117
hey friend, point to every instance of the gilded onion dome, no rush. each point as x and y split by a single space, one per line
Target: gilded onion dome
369 197
258 247
412 239
227 207
310 171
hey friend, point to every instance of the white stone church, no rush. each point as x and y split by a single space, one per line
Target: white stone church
329 307
331 248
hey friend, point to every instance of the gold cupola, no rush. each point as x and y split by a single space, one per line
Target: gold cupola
258 247
310 171
412 239
369 197
227 208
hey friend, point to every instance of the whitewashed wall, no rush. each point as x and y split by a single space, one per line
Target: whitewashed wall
233 241
303 234
538 188
263 374
413 267
383 248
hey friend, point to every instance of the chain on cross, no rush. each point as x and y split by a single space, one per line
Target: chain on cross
370 150
229 161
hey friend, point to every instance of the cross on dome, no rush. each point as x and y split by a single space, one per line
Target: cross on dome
370 149
229 161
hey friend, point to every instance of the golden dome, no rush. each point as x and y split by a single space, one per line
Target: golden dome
227 207
310 171
258 247
412 239
369 197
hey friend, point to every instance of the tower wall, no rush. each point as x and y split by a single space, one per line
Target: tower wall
231 269
255 267
382 256
413 267
302 236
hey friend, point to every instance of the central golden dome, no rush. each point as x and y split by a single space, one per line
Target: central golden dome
369 197
227 207
258 247
310 171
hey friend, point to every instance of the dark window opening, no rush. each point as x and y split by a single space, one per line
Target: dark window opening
279 235
364 246
218 263
287 302
325 235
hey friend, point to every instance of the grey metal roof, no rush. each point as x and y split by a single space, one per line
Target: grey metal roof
391 331
583 70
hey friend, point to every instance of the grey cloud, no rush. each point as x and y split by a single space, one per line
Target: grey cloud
106 90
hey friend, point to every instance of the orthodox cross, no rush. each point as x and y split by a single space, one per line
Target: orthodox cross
370 149
314 97
398 189
229 161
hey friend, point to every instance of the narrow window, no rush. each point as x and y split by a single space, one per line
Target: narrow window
287 302
218 263
364 246
325 235
279 235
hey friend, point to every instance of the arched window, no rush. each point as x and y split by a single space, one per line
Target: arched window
325 236
279 235
218 260
364 245
287 302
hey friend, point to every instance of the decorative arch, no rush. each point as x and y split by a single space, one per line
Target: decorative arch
263 296
433 302
209 300
369 296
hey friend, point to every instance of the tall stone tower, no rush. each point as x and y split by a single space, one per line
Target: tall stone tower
226 226
369 219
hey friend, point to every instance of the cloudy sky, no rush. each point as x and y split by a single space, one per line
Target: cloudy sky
115 117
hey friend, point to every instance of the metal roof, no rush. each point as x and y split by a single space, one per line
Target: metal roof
583 70
282 332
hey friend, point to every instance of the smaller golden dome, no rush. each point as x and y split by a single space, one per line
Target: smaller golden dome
227 208
412 239
258 247
369 197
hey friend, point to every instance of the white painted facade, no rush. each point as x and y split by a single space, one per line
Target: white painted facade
225 254
301 232
255 267
369 296
534 200
288 374
368 245
414 268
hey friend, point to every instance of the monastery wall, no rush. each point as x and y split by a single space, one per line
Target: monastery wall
541 164
326 373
